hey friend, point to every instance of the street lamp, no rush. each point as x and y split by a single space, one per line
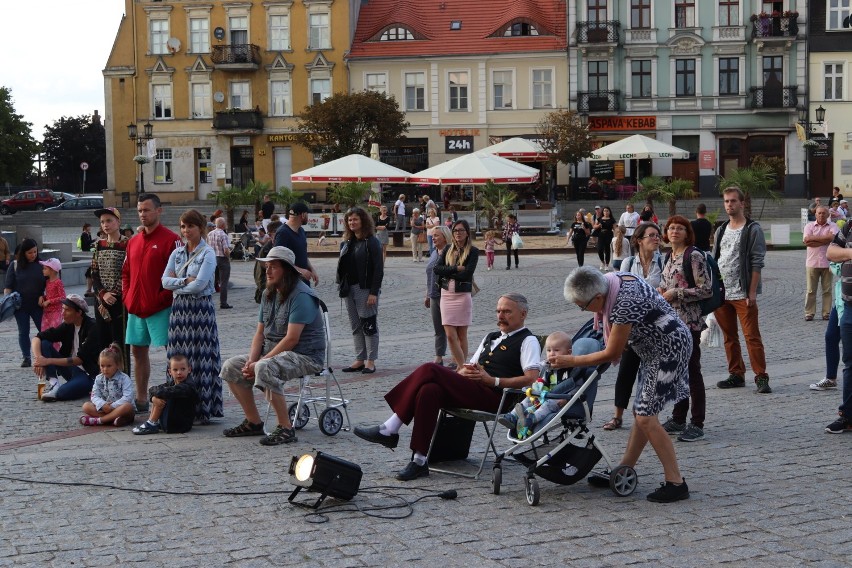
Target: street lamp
809 128
141 147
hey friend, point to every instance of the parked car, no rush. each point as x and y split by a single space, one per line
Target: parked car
31 200
80 204
62 197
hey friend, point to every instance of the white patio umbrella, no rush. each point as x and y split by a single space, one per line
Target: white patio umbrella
638 147
476 169
518 149
354 167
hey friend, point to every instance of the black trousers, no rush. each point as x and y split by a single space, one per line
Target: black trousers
604 250
580 250
509 251
627 371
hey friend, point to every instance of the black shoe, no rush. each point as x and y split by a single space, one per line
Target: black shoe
225 307
354 369
27 362
413 471
669 493
368 370
373 435
839 426
732 382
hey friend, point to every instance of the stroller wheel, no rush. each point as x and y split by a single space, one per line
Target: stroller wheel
623 480
330 421
304 416
496 480
531 489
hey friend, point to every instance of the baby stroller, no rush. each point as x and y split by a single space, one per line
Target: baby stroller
241 247
561 448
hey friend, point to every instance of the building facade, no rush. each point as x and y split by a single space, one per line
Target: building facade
721 79
220 83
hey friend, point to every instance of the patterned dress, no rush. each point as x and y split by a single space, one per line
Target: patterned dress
662 342
106 277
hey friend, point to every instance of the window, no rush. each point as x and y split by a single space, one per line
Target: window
596 10
729 76
685 77
833 81
241 95
458 91
773 72
598 75
201 105
684 13
199 35
396 34
159 36
239 30
279 32
729 12
640 72
377 82
640 14
280 98
320 90
502 89
320 37
542 88
415 91
838 14
163 166
162 98
520 29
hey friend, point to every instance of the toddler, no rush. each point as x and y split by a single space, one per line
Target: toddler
491 241
173 402
113 393
54 293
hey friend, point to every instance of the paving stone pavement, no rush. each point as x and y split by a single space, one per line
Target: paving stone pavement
766 488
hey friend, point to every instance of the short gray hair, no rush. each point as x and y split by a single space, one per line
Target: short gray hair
445 232
519 299
584 283
221 223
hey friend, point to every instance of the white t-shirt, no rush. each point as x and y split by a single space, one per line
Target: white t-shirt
629 220
399 206
729 263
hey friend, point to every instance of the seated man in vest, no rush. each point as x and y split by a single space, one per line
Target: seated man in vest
506 358
76 360
289 342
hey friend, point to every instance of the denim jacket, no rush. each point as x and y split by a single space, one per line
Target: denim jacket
202 267
115 391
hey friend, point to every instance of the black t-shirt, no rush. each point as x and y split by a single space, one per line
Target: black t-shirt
606 227
702 229
834 200
578 233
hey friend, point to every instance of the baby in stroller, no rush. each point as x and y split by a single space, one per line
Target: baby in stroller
536 409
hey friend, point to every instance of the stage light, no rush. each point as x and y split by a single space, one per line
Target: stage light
326 475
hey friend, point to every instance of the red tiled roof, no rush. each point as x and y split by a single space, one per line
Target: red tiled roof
480 20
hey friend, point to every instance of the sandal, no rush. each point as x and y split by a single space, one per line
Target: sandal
613 424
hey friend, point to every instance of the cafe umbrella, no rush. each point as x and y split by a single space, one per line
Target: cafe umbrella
638 147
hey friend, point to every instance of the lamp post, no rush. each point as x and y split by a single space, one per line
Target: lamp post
141 146
809 127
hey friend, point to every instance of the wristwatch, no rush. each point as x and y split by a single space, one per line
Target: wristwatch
496 381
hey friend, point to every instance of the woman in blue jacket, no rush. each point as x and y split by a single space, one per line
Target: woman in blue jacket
25 277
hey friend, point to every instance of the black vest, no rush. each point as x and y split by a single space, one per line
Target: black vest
505 359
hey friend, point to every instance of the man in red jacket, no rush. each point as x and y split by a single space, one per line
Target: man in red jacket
148 303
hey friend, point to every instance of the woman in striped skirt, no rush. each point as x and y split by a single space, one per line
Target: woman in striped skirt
192 323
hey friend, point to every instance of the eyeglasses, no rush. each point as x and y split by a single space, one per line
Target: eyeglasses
651 236
459 231
589 303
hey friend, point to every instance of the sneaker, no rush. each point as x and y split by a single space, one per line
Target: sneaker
27 362
49 394
732 382
762 382
147 428
839 426
669 493
691 433
673 427
509 420
245 428
280 435
823 384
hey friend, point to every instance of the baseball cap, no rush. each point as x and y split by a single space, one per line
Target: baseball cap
298 208
76 301
597 206
52 263
843 201
280 253
111 210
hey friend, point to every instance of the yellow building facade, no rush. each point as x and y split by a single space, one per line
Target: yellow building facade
221 85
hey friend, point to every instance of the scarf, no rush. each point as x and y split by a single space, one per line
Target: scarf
602 317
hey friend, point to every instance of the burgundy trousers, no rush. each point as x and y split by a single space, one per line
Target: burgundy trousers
420 396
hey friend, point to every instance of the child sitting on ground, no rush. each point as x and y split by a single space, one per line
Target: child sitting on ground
113 393
173 402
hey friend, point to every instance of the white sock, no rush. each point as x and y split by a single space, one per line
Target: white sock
419 458
391 425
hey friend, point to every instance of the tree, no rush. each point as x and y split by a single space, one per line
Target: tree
230 198
348 123
755 182
17 146
564 136
285 196
654 187
71 141
495 201
351 194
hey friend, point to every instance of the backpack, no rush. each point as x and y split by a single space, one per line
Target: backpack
708 305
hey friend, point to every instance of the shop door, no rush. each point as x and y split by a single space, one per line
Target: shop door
204 167
686 169
283 167
242 165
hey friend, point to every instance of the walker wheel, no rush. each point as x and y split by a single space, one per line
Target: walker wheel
623 480
330 421
496 480
531 490
304 416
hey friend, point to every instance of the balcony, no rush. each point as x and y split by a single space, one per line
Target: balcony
239 121
237 57
598 101
598 32
774 26
774 97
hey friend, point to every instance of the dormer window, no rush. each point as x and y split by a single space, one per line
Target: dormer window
455 25
396 34
520 29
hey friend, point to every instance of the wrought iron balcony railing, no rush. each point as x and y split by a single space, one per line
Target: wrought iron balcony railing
236 56
598 32
775 26
598 101
236 119
774 97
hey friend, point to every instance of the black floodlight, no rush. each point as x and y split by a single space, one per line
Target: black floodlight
326 475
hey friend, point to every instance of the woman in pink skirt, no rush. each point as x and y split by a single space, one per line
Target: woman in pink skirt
455 276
